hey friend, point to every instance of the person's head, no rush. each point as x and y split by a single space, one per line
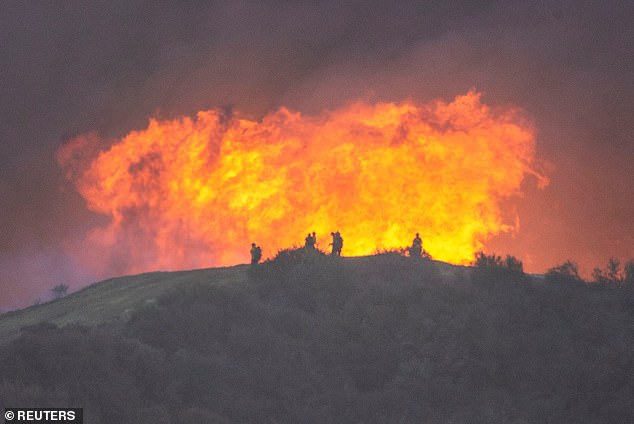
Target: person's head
417 235
252 244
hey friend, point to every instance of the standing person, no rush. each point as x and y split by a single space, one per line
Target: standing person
339 243
256 254
416 250
334 244
310 241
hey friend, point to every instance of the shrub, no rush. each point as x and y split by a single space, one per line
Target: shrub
285 261
491 269
59 291
613 275
566 273
629 273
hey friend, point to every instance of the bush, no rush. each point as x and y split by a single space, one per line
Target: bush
492 269
629 273
613 275
59 291
566 273
285 261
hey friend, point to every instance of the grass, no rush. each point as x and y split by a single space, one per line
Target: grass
114 299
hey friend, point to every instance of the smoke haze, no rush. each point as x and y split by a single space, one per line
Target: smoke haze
71 68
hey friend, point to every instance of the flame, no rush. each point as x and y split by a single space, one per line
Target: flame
188 192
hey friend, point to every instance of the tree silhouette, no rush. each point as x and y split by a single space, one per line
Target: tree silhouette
613 274
628 272
566 273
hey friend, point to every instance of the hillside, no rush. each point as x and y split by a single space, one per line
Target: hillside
315 339
114 299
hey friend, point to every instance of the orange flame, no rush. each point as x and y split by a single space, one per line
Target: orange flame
196 192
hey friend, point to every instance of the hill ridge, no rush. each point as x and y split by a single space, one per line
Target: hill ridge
112 299
115 298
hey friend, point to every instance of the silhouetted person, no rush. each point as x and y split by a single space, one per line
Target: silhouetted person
256 254
334 244
337 243
416 250
309 242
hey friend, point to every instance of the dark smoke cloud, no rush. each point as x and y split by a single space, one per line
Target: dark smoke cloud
72 67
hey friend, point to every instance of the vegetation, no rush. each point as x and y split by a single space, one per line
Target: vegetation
613 275
312 338
59 291
491 269
566 273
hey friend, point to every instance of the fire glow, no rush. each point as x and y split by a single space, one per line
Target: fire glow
188 193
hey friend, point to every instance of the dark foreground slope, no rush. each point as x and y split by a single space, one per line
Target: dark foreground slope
314 339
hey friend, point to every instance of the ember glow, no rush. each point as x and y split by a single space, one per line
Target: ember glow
190 193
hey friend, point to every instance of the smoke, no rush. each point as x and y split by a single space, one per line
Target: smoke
73 68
